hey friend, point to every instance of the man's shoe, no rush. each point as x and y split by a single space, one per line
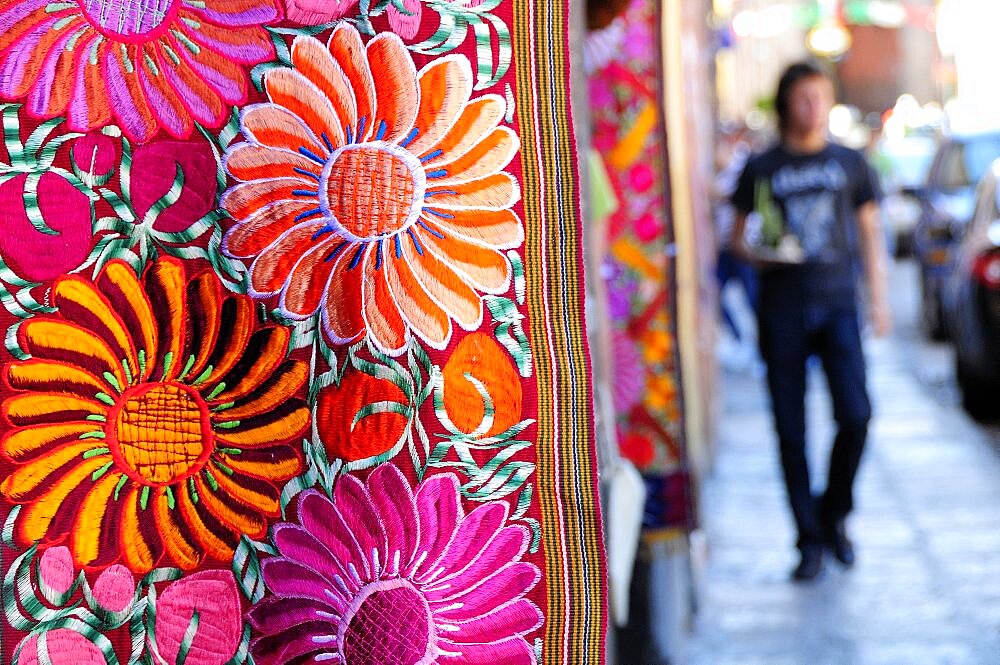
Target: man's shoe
810 565
839 543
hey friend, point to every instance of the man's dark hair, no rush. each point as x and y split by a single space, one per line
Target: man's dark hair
795 73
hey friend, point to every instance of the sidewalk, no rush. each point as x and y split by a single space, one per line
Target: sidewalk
926 588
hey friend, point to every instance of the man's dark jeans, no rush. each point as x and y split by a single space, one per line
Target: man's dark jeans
789 334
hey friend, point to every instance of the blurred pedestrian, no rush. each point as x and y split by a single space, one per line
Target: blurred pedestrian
819 204
733 151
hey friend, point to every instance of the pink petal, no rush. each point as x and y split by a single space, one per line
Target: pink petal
220 11
476 530
275 614
362 519
322 519
16 59
18 11
284 577
393 498
297 544
314 12
439 511
115 588
507 584
282 648
213 594
508 546
56 570
406 26
517 618
515 651
64 646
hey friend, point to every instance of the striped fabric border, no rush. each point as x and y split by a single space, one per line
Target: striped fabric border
567 467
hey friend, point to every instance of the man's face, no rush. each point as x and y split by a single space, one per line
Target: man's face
809 104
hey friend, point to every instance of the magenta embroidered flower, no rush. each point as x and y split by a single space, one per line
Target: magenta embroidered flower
383 576
149 64
62 645
315 12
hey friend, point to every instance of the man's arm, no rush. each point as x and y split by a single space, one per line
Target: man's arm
873 254
737 240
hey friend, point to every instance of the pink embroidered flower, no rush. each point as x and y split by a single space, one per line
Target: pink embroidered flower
316 12
145 64
56 573
63 646
214 596
381 576
115 588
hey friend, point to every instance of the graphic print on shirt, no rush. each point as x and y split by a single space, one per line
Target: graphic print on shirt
809 197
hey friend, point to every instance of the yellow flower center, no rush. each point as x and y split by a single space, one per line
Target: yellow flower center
374 189
162 433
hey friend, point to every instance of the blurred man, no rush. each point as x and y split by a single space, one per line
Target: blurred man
822 198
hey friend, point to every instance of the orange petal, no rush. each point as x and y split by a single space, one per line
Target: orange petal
202 100
347 50
487 157
268 429
78 300
236 518
204 320
495 191
210 542
501 229
185 553
293 91
87 537
35 518
419 311
136 552
272 267
314 61
382 320
264 352
165 285
234 91
129 103
445 86
457 297
277 127
486 268
478 119
271 464
259 494
236 326
51 376
342 318
396 93
285 382
247 198
25 442
32 66
249 237
303 292
33 408
119 284
248 161
62 341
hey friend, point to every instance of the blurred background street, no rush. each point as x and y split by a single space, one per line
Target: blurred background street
926 588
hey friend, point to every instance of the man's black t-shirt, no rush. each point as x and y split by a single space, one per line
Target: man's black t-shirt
818 195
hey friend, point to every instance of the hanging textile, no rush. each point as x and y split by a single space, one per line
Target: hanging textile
626 105
294 366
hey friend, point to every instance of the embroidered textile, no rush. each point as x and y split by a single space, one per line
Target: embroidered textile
624 72
294 366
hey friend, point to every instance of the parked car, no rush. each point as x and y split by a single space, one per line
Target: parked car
947 201
903 164
971 302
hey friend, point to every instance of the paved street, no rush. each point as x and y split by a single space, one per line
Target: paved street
926 588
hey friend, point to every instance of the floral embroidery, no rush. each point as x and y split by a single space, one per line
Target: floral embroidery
318 12
150 64
159 410
374 194
383 576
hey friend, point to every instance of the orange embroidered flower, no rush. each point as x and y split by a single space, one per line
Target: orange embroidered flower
374 194
153 420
